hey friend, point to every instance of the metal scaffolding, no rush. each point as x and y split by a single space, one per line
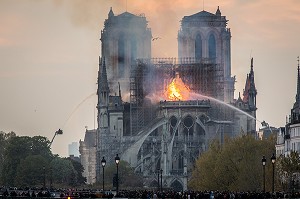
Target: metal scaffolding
148 76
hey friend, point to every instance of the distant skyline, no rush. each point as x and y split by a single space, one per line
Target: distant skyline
49 54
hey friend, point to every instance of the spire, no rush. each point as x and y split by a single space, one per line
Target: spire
111 13
218 12
298 84
239 99
246 89
119 89
251 76
250 91
295 111
102 77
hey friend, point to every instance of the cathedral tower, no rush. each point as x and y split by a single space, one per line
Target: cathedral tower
110 117
204 37
125 38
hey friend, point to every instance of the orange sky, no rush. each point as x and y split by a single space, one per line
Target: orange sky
49 57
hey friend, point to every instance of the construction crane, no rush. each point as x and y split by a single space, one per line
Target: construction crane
58 132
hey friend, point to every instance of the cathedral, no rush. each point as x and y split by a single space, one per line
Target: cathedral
160 114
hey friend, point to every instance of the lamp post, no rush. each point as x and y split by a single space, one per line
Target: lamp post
51 177
273 159
103 162
117 160
158 179
161 179
263 161
44 173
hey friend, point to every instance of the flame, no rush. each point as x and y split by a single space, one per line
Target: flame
177 90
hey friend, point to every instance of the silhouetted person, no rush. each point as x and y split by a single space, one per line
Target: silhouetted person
5 193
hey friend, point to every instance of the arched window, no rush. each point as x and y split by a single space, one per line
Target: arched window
121 55
181 160
105 120
212 47
177 186
198 47
133 49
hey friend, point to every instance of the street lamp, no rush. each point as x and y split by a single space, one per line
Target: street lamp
158 179
273 159
44 173
51 177
117 160
161 179
263 161
103 162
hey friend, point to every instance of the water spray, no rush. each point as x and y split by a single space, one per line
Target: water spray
225 104
84 100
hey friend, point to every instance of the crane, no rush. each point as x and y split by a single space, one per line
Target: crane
58 132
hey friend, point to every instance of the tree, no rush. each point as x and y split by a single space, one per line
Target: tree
287 167
31 172
79 170
18 148
234 166
63 172
41 146
4 139
204 169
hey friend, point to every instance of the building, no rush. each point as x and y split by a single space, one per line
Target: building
73 149
203 36
267 131
87 150
162 113
288 138
125 38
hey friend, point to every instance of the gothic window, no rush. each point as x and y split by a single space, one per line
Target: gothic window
176 185
121 55
173 122
198 47
180 160
212 47
105 121
133 50
188 123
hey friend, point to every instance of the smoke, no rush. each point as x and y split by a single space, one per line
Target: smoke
155 97
163 17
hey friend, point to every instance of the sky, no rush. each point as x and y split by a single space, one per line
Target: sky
49 51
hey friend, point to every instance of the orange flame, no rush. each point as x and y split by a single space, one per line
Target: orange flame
177 90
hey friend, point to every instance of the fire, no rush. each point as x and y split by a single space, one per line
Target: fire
177 90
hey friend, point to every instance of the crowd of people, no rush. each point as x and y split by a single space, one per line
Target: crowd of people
145 194
204 195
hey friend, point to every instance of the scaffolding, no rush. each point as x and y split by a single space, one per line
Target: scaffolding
202 76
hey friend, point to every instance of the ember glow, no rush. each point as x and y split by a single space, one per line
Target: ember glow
177 90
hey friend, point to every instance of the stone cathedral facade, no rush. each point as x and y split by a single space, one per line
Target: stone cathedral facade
151 128
205 35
